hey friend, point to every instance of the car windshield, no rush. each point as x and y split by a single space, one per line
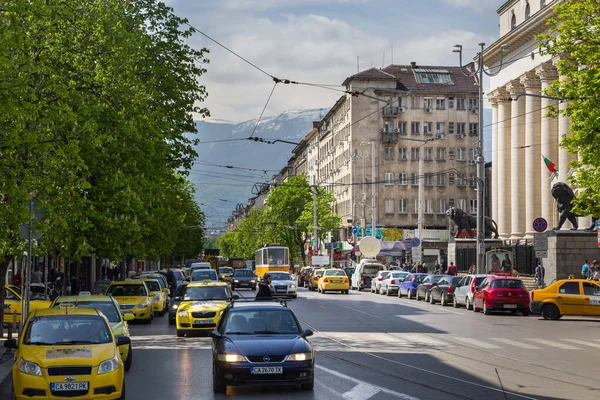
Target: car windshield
279 321
160 281
153 286
206 293
243 272
126 290
225 271
507 284
280 277
319 273
180 290
107 308
435 278
335 272
67 330
372 269
204 274
478 280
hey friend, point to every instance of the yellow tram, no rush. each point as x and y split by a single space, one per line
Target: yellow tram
272 257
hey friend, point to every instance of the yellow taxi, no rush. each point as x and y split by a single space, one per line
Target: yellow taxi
567 297
12 302
333 280
108 306
67 352
201 306
133 298
159 297
162 281
315 276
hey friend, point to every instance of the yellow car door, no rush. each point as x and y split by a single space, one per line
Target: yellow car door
591 298
570 297
12 302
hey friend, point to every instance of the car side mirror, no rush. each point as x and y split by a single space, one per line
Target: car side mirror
166 290
215 334
306 333
10 343
123 340
128 317
235 297
476 288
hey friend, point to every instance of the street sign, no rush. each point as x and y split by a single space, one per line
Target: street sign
415 242
416 254
354 231
540 241
542 254
482 246
540 224
597 224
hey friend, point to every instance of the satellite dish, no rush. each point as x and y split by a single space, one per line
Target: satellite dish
369 246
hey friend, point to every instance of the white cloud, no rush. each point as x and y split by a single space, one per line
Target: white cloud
271 4
480 6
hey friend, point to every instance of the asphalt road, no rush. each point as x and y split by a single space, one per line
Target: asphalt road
376 347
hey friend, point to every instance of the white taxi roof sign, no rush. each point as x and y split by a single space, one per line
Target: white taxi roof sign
66 305
85 293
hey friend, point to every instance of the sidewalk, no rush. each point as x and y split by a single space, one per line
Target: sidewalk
6 363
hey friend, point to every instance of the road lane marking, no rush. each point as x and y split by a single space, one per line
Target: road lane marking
418 338
583 342
553 344
361 391
517 344
359 382
477 343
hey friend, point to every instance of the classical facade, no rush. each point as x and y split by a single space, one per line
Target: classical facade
521 134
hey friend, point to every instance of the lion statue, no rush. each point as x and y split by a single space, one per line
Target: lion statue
469 222
564 195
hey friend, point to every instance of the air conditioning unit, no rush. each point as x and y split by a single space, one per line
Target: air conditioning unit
460 136
400 109
472 162
428 110
474 111
382 130
396 130
440 135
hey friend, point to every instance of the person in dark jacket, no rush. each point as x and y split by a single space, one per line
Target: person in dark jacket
264 289
172 281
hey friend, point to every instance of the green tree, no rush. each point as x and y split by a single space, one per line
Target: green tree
574 36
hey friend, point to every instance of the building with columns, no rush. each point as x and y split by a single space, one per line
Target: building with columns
521 133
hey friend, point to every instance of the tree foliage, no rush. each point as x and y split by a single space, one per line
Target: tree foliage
574 38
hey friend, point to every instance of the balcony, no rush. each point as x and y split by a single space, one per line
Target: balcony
389 137
390 111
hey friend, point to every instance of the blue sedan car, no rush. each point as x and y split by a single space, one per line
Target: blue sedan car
409 286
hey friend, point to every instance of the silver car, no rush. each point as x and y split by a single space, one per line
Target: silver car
391 283
463 294
378 280
282 285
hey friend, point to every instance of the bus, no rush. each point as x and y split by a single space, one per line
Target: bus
272 257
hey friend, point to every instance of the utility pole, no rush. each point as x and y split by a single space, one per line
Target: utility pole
373 207
27 297
421 193
354 234
363 220
479 159
315 227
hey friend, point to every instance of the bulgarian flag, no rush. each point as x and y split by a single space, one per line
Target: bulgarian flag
550 165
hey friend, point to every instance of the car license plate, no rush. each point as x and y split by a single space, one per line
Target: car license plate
266 370
204 321
510 306
68 386
336 281
281 290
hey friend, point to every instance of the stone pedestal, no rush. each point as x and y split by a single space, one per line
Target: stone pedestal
567 251
454 255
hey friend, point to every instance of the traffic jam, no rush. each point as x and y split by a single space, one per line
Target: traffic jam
80 345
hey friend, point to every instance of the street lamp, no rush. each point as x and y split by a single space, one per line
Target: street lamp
373 210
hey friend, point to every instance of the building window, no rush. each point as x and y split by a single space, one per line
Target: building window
441 76
414 153
402 127
441 154
527 11
428 154
402 153
441 180
427 128
462 181
443 207
401 102
513 21
451 154
389 153
461 129
450 203
415 127
473 180
450 102
428 103
451 128
416 206
415 102
428 180
461 204
451 178
428 206
460 103
403 206
440 103
542 3
389 178
403 179
441 128
473 104
473 129
389 206
461 154
414 180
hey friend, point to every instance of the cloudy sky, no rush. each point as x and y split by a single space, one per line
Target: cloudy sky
318 41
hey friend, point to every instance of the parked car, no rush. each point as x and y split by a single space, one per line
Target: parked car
392 281
408 287
313 279
463 293
425 287
303 276
444 290
501 294
377 280
567 297
365 272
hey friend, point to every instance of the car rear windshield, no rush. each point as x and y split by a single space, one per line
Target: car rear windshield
335 272
126 290
67 330
107 308
436 278
153 286
200 293
278 321
507 284
372 269
225 270
281 276
399 274
319 273
418 278
204 274
243 272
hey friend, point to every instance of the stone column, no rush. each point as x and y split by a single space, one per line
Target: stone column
517 160
531 83
549 146
502 152
493 99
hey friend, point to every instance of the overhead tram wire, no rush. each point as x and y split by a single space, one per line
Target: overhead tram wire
265 107
234 167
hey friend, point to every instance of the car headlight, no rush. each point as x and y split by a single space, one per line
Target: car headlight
231 358
108 365
252 281
184 314
174 306
29 368
142 305
300 357
236 281
292 286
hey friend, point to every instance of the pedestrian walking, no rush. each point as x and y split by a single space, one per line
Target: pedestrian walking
37 276
264 289
540 273
451 269
172 281
585 269
472 269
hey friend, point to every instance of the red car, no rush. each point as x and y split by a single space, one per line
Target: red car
498 293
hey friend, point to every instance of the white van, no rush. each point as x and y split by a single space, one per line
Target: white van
364 272
200 265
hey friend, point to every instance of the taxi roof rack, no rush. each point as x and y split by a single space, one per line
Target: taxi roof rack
246 300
